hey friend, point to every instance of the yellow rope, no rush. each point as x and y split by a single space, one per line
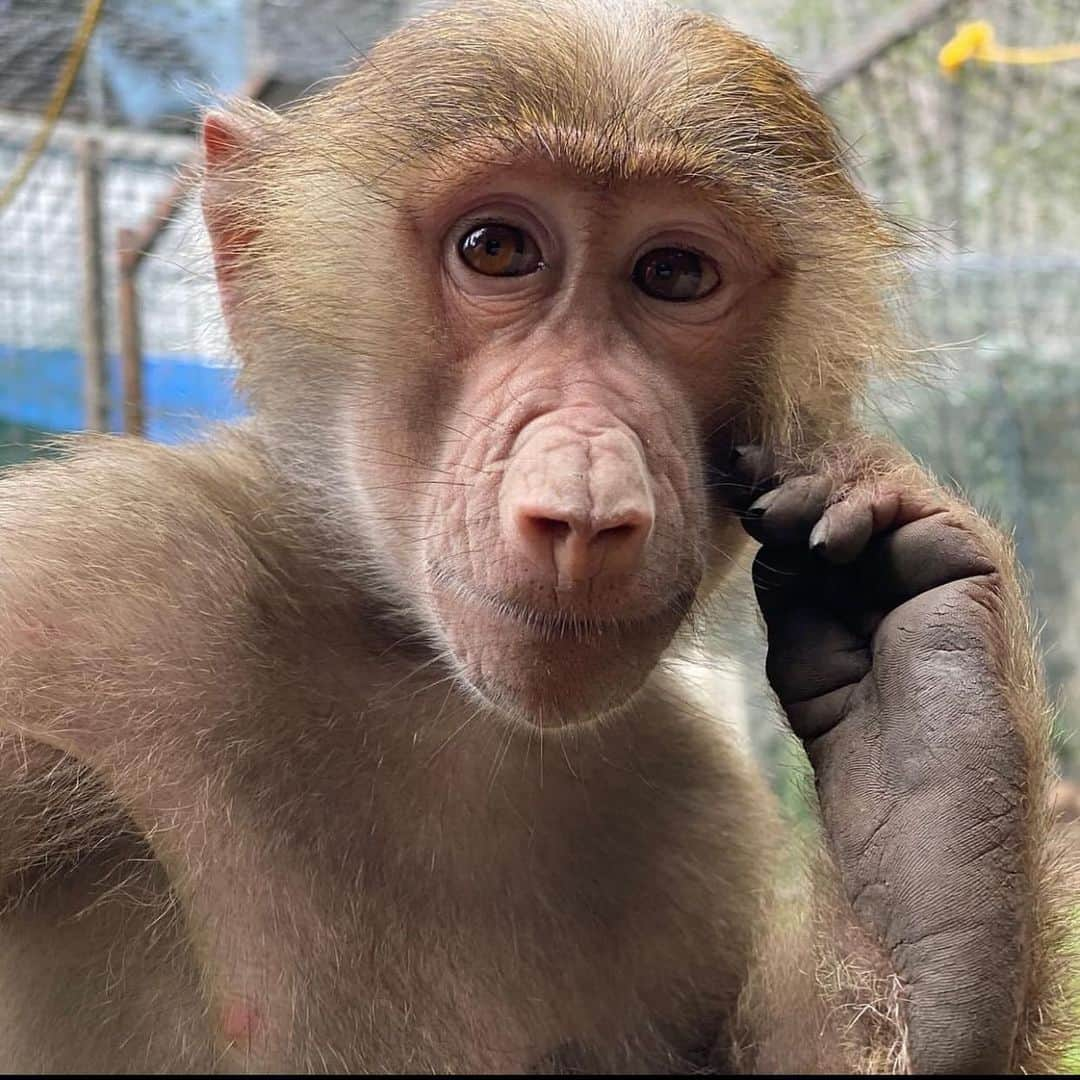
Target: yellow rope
976 41
56 102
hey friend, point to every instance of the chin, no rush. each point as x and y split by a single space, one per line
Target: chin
553 673
564 697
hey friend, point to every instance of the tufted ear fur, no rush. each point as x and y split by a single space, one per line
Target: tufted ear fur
230 140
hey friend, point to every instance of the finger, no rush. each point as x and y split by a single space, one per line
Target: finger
813 647
921 556
748 471
781 579
786 578
845 529
817 715
785 516
813 654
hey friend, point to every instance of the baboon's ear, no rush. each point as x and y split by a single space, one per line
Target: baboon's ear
225 137
229 147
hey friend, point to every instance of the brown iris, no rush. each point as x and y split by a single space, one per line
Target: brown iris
500 250
675 274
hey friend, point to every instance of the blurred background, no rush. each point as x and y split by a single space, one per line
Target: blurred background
108 318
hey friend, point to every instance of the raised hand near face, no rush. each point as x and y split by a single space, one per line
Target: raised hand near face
888 621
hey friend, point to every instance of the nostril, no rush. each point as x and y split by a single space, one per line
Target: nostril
576 545
556 530
615 533
630 524
549 528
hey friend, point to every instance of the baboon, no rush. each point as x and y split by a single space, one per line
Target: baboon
345 739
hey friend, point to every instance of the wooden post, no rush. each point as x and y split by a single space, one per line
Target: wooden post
883 35
133 245
95 373
127 312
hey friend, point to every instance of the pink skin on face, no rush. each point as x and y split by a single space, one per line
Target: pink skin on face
576 498
564 540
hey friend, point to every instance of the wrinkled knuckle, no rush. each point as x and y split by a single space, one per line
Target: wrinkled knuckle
841 490
962 540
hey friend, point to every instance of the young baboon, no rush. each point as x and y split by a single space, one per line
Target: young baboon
343 740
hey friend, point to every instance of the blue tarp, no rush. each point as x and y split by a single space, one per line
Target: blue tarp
42 388
186 45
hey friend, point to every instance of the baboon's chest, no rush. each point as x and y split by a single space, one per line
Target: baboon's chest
375 970
388 990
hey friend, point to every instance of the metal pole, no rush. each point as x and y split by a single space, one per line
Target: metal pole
95 374
127 313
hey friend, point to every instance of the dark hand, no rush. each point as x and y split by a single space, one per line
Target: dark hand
887 643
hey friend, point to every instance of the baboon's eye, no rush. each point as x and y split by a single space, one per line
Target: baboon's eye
676 274
500 250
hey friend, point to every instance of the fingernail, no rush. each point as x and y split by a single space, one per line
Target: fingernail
727 463
759 507
819 535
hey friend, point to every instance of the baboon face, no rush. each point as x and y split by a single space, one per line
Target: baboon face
589 336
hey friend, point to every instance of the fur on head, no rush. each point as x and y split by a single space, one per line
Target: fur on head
614 90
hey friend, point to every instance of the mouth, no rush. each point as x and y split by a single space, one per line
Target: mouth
553 668
571 621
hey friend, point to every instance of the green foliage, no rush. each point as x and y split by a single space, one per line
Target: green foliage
1070 1066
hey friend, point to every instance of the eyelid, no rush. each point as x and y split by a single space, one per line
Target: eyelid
502 211
716 266
679 241
468 224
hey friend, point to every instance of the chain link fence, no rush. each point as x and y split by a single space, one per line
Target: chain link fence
43 264
126 130
990 158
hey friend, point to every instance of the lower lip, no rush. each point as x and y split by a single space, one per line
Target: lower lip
560 624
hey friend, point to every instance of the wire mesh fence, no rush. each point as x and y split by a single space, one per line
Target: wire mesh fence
980 170
133 108
987 160
43 282
983 164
